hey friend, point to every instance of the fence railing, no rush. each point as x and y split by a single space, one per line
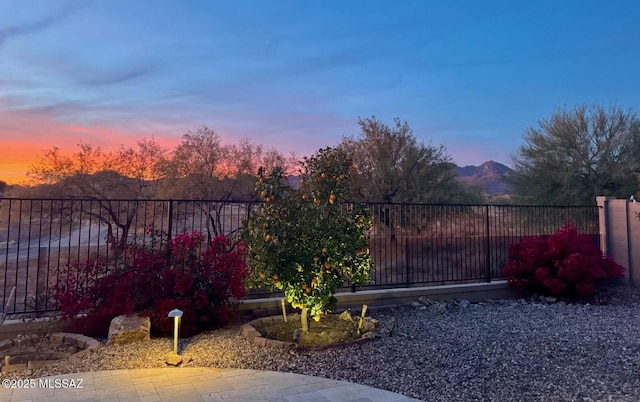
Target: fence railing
410 244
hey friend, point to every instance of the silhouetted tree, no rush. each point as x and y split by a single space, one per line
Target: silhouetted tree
202 167
104 178
390 165
578 154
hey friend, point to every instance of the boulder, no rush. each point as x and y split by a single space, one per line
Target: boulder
346 316
172 359
128 329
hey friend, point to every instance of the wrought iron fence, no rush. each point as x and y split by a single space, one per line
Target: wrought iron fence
410 244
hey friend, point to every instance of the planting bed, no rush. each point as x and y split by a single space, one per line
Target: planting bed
21 354
331 331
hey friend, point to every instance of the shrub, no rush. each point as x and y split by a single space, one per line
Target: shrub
564 263
152 282
308 241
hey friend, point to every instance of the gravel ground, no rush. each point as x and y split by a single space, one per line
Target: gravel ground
504 350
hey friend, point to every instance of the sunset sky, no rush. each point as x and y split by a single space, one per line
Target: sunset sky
297 74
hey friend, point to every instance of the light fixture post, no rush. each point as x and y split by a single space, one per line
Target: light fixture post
176 314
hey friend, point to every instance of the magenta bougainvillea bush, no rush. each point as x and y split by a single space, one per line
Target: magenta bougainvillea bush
565 263
152 282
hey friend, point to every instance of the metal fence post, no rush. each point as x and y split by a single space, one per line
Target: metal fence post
488 252
170 220
407 257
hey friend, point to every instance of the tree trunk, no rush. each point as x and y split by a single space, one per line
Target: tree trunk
303 320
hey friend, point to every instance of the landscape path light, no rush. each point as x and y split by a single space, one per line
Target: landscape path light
176 314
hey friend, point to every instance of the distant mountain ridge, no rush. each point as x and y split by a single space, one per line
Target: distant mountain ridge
490 176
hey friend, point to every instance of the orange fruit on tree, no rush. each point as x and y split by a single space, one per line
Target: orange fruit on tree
316 201
304 196
268 237
327 265
273 197
276 283
314 282
323 175
276 277
301 181
324 250
261 275
332 197
263 193
307 290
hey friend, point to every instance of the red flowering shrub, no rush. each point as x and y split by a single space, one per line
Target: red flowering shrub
152 282
565 263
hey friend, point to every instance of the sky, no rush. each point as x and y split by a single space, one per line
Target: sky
296 75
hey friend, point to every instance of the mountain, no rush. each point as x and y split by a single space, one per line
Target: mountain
491 176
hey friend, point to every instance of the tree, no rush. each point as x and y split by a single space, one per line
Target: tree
306 241
578 154
203 168
390 166
209 169
103 178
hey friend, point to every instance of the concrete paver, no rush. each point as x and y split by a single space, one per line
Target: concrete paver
197 384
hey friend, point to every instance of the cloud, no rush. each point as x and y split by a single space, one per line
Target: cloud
24 134
115 76
40 24
27 27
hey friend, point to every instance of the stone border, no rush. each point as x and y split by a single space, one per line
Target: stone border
86 344
384 298
249 331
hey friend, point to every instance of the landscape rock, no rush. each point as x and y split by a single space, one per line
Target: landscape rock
127 329
172 358
440 308
368 326
346 316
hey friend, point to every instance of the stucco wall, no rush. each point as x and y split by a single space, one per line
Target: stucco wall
620 233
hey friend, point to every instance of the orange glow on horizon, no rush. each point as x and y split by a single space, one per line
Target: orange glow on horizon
18 155
15 159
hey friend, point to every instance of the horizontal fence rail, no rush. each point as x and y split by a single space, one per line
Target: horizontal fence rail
410 244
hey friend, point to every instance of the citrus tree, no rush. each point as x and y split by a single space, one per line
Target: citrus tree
308 241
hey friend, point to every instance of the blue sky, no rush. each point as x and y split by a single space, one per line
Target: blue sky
471 75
